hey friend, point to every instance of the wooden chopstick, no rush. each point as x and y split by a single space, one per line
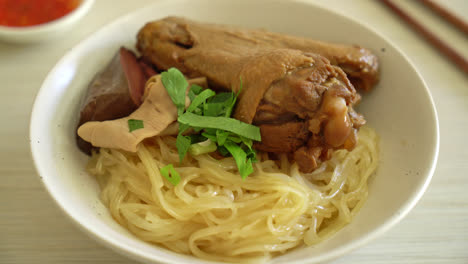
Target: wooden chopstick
446 50
447 15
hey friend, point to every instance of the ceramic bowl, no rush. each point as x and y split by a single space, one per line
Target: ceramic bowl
400 108
47 31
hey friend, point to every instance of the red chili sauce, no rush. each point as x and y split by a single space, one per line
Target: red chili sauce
23 13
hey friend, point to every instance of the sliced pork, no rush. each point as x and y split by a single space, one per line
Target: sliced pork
157 114
115 92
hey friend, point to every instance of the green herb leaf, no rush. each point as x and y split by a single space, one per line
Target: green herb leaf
235 138
176 86
196 138
197 111
202 147
211 131
231 106
243 164
223 151
182 144
194 91
221 136
233 103
183 128
134 124
200 99
247 141
251 154
219 105
170 174
223 123
210 136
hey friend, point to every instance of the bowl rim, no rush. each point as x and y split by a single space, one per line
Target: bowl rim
52 25
136 254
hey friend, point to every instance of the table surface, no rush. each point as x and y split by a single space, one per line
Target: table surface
34 230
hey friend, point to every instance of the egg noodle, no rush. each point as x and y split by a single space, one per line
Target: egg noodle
213 214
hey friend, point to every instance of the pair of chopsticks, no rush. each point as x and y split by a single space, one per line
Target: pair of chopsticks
440 45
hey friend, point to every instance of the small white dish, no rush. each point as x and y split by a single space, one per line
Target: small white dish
47 31
400 108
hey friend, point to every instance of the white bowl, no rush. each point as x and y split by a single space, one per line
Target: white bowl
46 31
400 109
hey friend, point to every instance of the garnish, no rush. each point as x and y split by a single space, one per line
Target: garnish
243 162
194 91
209 113
134 124
200 99
222 123
220 105
182 143
170 174
176 85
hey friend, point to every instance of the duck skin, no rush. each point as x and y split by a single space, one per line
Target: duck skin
176 33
